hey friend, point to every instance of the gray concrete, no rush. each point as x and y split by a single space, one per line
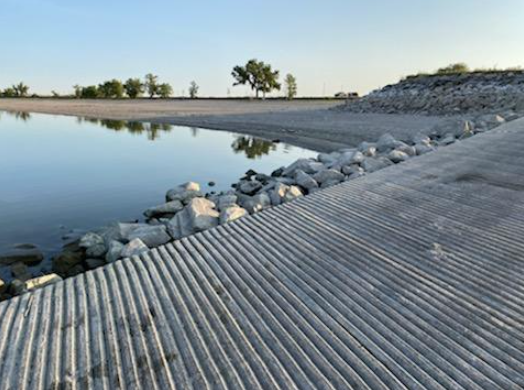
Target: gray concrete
410 278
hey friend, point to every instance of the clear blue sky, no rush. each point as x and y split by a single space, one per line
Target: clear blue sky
329 45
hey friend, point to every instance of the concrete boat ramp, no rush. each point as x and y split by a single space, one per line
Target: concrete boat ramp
409 278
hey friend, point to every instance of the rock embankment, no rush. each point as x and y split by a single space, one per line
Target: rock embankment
452 94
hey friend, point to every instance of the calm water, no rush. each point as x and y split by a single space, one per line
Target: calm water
62 173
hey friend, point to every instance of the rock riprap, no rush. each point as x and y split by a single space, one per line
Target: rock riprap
187 210
451 94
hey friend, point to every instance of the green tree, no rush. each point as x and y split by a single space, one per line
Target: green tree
291 86
151 84
134 88
9 92
90 92
258 75
459 67
111 89
164 90
193 90
78 91
21 90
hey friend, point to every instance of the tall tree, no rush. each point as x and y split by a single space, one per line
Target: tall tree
151 84
193 90
21 90
78 91
111 89
258 75
134 88
89 92
164 90
291 86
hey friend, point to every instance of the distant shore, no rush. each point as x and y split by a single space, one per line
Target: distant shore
306 123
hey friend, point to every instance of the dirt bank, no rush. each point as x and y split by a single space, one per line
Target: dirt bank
309 124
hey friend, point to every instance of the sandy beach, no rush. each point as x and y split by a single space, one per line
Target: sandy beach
306 123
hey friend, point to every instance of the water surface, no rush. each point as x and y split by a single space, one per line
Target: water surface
61 173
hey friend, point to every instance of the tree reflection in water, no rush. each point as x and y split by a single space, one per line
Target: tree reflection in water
22 115
252 147
153 130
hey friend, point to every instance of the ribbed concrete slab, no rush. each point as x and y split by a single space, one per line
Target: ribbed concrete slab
412 277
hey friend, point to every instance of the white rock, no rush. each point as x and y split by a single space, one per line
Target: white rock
398 156
368 149
351 169
134 248
328 175
202 215
292 193
374 164
231 214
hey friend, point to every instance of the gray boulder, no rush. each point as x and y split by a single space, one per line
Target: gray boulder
423 149
96 251
169 209
250 187
328 175
398 156
26 255
256 203
374 164
184 192
231 214
151 236
386 142
226 201
304 164
328 158
305 181
134 248
368 149
114 251
180 225
351 169
91 239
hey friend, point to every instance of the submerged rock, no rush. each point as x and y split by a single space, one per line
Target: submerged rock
29 256
65 261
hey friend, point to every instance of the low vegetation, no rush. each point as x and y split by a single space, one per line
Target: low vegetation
462 68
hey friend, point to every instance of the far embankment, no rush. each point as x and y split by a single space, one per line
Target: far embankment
307 123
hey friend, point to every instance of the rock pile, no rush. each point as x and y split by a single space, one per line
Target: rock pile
468 93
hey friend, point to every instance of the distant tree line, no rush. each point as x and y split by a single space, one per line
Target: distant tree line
131 88
258 75
17 90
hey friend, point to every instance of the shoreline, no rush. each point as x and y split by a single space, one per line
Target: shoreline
311 125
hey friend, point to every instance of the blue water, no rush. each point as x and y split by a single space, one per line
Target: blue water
61 173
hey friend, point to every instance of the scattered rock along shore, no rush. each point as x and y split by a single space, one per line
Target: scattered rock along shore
186 210
452 94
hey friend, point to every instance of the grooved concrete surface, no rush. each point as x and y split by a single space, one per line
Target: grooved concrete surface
409 278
